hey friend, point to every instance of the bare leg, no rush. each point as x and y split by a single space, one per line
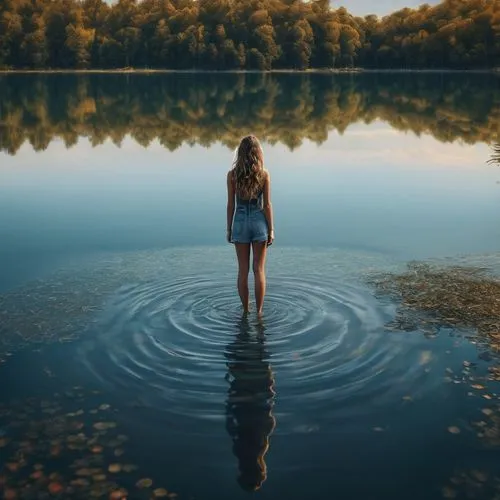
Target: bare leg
259 271
243 254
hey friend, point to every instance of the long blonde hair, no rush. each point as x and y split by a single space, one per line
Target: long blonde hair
248 167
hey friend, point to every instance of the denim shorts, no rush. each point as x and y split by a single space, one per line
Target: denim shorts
249 224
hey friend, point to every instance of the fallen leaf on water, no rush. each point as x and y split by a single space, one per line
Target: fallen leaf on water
448 492
487 396
118 494
55 488
102 426
96 449
454 430
425 357
104 407
129 468
144 483
378 429
12 466
407 398
160 493
467 363
114 468
482 477
80 482
479 387
487 411
37 474
55 450
10 494
99 477
83 472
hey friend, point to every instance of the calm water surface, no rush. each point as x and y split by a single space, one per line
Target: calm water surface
121 335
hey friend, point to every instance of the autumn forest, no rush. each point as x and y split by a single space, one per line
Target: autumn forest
244 34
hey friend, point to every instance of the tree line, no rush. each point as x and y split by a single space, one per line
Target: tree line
244 34
181 109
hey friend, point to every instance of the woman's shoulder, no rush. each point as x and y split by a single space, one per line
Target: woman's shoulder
267 175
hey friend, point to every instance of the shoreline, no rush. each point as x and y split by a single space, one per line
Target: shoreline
324 71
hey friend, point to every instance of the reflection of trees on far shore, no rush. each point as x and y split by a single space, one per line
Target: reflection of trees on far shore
249 418
179 109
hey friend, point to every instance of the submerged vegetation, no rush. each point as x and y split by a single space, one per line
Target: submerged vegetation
206 108
433 297
464 300
66 446
243 34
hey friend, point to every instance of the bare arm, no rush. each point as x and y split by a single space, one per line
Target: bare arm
268 209
230 204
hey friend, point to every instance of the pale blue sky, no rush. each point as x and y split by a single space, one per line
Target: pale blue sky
380 7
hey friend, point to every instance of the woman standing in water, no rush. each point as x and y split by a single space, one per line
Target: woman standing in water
250 217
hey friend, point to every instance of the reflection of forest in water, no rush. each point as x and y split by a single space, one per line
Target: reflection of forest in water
207 107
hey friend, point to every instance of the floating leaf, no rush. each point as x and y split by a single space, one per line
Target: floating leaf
96 449
480 476
129 468
114 468
144 483
487 411
378 429
55 488
99 477
448 492
118 494
160 493
80 482
487 396
479 387
425 357
454 430
84 472
103 426
104 407
10 494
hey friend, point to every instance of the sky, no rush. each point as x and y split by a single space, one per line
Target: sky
380 7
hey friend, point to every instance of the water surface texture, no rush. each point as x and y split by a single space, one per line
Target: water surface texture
125 362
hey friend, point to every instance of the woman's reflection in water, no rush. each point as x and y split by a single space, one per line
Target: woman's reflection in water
249 418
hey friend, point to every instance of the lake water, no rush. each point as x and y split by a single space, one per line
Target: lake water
122 342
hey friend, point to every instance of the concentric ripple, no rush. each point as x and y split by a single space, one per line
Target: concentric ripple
181 347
